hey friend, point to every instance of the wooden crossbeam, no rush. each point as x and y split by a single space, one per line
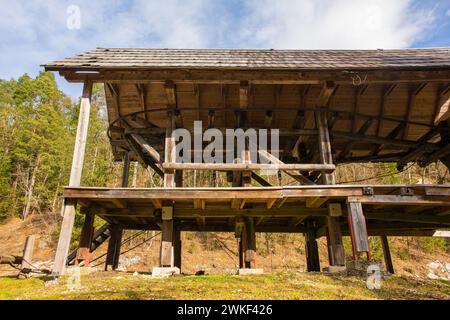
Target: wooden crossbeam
421 148
362 131
248 167
316 202
297 175
392 135
260 180
435 156
148 148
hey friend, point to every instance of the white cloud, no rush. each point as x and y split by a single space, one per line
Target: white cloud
337 24
35 32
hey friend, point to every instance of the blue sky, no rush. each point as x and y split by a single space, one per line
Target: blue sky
33 32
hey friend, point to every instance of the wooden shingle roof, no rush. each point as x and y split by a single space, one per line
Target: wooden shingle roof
115 58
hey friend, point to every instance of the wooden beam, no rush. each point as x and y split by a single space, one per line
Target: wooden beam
387 254
84 247
219 76
244 94
75 179
296 174
169 87
248 167
385 93
114 246
392 135
27 254
414 92
362 131
142 93
169 156
358 229
148 148
312 249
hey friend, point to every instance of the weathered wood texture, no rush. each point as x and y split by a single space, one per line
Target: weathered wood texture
84 247
69 207
27 255
357 224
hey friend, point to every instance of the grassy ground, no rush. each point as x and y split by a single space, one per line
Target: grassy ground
113 285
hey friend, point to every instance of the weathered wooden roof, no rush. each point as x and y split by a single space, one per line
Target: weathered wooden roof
116 58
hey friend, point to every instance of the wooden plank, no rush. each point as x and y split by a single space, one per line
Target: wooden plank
357 224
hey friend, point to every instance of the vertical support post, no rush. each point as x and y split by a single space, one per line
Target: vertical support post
358 229
241 253
177 247
387 255
114 244
336 252
27 255
166 237
69 207
84 247
249 242
115 241
166 251
312 250
126 169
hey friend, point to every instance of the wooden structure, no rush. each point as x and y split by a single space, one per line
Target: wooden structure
331 107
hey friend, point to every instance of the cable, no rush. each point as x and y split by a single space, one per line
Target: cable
380 176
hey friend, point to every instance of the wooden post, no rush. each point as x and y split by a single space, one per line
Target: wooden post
114 244
84 247
312 250
166 237
69 207
249 242
126 170
387 255
358 229
177 247
167 245
241 253
27 255
336 252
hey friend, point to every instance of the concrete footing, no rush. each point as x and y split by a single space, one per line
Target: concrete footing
335 269
165 272
246 272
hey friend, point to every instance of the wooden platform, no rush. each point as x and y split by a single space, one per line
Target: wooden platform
389 209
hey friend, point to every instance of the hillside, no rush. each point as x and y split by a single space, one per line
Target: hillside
281 256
